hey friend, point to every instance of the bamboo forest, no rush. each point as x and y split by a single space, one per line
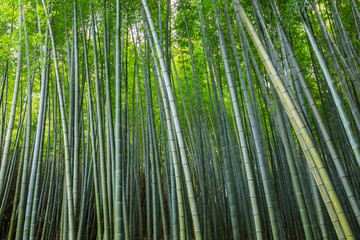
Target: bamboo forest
180 119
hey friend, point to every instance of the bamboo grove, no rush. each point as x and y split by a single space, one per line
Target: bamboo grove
180 119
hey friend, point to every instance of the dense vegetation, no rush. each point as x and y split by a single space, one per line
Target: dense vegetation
180 119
